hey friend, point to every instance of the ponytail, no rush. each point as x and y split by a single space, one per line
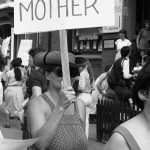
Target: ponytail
18 75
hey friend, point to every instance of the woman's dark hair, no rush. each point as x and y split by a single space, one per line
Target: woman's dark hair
90 71
123 32
32 52
142 84
16 63
125 51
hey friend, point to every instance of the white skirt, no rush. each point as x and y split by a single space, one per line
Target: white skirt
13 100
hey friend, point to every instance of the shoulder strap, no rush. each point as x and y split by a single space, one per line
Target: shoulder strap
76 108
48 100
128 137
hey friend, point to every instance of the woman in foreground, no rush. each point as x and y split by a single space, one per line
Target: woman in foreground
57 116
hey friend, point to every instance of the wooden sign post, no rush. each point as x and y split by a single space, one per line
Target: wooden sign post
64 58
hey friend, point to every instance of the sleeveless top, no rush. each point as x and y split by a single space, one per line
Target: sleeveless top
128 137
70 133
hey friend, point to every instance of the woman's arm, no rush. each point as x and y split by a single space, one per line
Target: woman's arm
126 71
116 142
82 82
39 126
6 80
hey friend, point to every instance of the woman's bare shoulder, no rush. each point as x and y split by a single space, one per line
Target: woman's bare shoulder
37 103
116 142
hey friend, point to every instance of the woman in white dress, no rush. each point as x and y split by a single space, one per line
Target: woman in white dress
85 87
14 93
121 42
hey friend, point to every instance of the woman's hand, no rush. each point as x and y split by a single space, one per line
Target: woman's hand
66 97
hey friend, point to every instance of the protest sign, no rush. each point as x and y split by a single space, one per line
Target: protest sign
32 16
25 46
5 46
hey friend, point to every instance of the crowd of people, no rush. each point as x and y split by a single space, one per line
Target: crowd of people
60 115
53 112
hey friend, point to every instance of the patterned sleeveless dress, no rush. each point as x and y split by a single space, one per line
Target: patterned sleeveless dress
71 131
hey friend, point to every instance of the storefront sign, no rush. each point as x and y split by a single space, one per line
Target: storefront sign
25 46
47 15
118 18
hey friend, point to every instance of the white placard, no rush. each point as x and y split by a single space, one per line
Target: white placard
25 46
5 46
118 18
32 16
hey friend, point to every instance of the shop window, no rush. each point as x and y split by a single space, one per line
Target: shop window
87 40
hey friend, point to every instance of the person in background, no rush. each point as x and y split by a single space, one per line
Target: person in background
13 93
85 87
143 39
57 116
36 83
101 82
121 42
123 76
25 75
2 66
134 134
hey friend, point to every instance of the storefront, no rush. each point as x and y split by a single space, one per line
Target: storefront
97 44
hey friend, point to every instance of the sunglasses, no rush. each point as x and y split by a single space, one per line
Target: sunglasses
73 72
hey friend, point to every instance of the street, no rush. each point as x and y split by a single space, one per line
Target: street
15 131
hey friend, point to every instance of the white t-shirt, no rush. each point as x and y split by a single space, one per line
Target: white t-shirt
119 43
126 69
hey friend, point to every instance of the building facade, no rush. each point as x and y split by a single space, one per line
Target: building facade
97 44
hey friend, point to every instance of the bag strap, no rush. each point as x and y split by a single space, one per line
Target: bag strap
128 137
48 100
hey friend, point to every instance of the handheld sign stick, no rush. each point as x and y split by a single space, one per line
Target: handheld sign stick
64 58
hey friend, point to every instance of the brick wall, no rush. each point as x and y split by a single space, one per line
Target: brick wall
129 18
108 57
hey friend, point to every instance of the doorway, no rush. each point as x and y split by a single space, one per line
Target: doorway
142 13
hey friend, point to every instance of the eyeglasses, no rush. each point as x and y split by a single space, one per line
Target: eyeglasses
73 72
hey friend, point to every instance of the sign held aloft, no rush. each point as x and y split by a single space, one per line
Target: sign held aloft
47 15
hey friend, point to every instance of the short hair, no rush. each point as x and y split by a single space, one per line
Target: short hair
32 52
123 32
16 62
125 51
142 84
